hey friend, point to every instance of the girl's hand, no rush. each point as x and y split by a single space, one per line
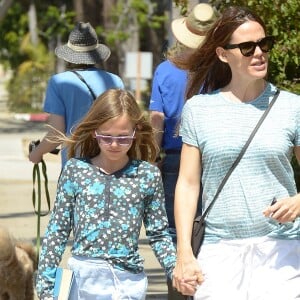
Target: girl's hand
187 276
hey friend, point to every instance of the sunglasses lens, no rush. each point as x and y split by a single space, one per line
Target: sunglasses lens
247 48
124 141
107 140
120 140
266 44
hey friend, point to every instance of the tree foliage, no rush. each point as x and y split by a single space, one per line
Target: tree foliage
26 88
13 28
30 64
127 19
130 17
182 5
128 25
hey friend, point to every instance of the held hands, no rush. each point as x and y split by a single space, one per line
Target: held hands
187 276
284 210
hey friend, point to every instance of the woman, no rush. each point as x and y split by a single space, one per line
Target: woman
251 248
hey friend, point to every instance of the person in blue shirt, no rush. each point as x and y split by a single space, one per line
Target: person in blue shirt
107 190
68 98
167 99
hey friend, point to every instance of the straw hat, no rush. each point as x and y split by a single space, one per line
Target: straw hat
83 47
190 31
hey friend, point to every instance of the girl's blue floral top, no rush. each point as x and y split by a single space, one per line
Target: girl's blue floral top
105 213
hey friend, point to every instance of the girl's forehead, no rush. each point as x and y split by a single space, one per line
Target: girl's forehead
122 122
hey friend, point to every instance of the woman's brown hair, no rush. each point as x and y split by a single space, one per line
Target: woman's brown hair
206 72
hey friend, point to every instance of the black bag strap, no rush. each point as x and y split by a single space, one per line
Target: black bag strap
240 155
83 80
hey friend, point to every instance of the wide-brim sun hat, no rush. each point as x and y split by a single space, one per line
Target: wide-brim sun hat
191 30
83 47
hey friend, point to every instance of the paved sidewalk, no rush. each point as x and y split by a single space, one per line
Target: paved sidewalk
16 208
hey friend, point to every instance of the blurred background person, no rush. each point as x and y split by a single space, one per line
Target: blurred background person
70 94
167 99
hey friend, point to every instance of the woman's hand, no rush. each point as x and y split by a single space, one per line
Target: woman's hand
284 210
187 276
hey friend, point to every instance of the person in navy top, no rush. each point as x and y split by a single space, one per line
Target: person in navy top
167 100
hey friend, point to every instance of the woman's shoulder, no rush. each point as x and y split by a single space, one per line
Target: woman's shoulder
287 99
289 95
271 88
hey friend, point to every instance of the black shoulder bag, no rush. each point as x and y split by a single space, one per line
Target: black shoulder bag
199 221
83 80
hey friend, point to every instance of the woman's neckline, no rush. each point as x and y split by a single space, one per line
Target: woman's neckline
229 96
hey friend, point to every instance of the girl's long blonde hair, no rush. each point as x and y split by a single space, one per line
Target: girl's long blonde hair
112 104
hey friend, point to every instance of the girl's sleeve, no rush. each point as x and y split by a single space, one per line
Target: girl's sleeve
56 235
156 223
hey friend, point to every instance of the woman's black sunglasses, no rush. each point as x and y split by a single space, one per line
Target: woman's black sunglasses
248 48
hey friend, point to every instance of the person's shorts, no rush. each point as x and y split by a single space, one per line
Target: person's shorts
96 279
250 269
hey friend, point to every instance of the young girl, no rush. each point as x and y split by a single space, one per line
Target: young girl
103 196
